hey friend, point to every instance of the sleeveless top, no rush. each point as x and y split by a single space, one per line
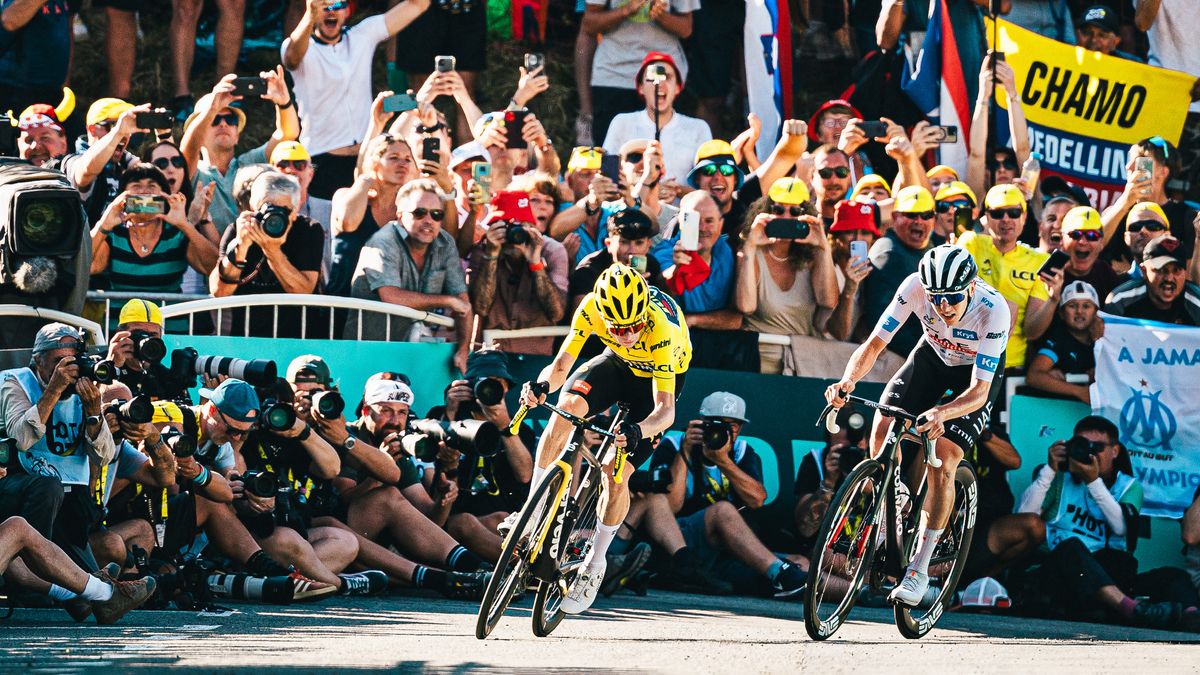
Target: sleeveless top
161 271
346 248
782 312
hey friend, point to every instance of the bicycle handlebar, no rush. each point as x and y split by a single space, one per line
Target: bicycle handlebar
576 420
829 416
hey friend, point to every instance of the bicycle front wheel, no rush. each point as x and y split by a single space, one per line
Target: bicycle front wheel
949 558
845 547
512 570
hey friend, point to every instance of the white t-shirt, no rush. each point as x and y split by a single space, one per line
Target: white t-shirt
681 137
333 87
1173 39
620 53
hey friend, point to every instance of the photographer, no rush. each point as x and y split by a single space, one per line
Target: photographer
51 410
270 250
534 287
1090 501
137 349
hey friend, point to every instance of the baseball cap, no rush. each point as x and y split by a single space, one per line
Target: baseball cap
715 152
653 57
585 158
855 216
290 150
205 101
913 199
1146 206
724 404
941 168
1082 218
468 151
511 206
1057 186
633 145
1003 195
870 180
1163 250
986 592
51 335
1101 17
791 191
631 224
388 391
309 368
106 109
956 188
826 107
488 363
235 399
140 311
1079 290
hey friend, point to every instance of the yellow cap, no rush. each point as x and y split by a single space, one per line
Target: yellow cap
585 158
290 150
140 311
106 109
941 168
788 191
1004 195
913 199
1082 218
956 188
1146 206
713 148
870 180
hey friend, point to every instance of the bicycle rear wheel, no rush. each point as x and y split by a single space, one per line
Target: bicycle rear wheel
512 570
845 548
949 558
577 543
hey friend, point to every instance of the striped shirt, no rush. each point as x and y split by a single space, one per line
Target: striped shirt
160 272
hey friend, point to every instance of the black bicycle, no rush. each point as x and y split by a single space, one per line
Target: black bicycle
552 538
871 507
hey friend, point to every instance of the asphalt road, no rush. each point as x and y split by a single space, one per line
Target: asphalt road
662 632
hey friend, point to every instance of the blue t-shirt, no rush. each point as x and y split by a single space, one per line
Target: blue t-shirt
37 54
713 294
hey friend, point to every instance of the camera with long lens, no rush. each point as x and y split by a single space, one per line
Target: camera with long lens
273 220
258 483
276 416
470 437
328 405
137 410
186 364
516 235
95 367
489 391
148 347
657 480
181 444
715 433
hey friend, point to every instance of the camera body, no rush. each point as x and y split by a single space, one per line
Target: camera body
276 416
181 444
656 73
137 410
1080 449
95 367
258 483
849 457
516 234
148 347
716 433
273 219
656 480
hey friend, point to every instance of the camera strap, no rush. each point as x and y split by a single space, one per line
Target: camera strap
717 491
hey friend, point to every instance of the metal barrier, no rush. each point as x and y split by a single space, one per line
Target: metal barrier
95 330
121 297
562 331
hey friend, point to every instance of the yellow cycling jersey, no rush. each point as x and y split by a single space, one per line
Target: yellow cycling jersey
663 351
1015 275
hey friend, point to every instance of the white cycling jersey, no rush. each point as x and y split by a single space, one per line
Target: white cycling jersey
978 338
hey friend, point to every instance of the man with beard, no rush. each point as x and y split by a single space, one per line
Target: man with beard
41 138
1068 347
1165 294
831 180
1083 236
330 65
101 157
1145 223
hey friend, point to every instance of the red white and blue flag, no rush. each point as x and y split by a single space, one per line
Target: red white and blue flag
937 85
768 49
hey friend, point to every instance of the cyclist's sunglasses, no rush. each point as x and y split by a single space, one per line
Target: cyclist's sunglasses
839 171
177 161
712 169
944 207
785 210
1149 225
917 215
1013 212
228 118
420 212
1090 235
631 329
949 298
297 164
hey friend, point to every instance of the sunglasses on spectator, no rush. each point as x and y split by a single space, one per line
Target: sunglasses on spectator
839 171
1149 225
177 161
944 207
420 212
622 331
786 210
1013 212
106 125
633 157
228 118
712 169
834 123
948 298
917 215
1009 164
297 164
1090 235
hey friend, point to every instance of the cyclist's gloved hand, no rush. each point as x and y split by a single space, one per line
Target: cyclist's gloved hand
632 434
533 393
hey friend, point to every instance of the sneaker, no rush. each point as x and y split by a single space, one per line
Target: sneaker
912 590
308 590
624 567
790 582
126 596
1157 614
465 585
690 577
81 608
370 582
510 521
583 592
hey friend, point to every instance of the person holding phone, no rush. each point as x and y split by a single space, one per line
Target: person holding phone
786 271
1153 162
702 272
955 206
102 155
854 231
1145 222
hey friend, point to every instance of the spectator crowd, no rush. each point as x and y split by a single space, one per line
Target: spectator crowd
422 199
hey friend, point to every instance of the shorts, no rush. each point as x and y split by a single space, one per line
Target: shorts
439 33
711 67
925 379
607 380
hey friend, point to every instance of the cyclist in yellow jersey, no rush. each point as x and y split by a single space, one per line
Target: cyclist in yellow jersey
647 355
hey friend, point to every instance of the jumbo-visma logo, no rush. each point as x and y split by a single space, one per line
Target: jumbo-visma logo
1146 421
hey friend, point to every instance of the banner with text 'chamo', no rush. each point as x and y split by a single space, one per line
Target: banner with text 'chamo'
1085 109
1148 383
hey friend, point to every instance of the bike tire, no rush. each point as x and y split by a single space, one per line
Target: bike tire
845 503
512 569
547 606
915 622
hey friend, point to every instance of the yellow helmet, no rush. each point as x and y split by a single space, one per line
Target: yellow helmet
622 295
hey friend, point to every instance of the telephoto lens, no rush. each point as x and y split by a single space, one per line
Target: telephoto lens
180 444
147 347
716 434
138 410
328 405
489 391
469 437
277 416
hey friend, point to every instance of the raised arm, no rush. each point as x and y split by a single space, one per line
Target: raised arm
295 46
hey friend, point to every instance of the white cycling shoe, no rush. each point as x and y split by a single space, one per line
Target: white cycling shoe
583 592
911 590
509 522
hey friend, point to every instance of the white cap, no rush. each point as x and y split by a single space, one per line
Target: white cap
1079 290
985 592
724 404
388 391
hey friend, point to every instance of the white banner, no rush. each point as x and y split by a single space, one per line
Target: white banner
1148 383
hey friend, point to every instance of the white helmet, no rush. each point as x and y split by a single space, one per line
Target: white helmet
946 269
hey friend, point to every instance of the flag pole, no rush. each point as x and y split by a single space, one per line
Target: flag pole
993 117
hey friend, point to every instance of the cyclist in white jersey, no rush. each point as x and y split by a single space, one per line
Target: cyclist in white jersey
952 378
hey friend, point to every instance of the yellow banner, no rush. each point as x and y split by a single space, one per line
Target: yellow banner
1087 93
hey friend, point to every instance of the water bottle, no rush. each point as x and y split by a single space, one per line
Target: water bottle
1031 171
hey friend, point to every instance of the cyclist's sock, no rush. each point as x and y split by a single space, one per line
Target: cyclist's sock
461 560
604 537
929 540
427 577
774 570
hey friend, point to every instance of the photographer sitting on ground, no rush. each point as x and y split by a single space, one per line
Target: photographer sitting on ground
270 250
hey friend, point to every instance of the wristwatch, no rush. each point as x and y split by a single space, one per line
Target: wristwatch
349 443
